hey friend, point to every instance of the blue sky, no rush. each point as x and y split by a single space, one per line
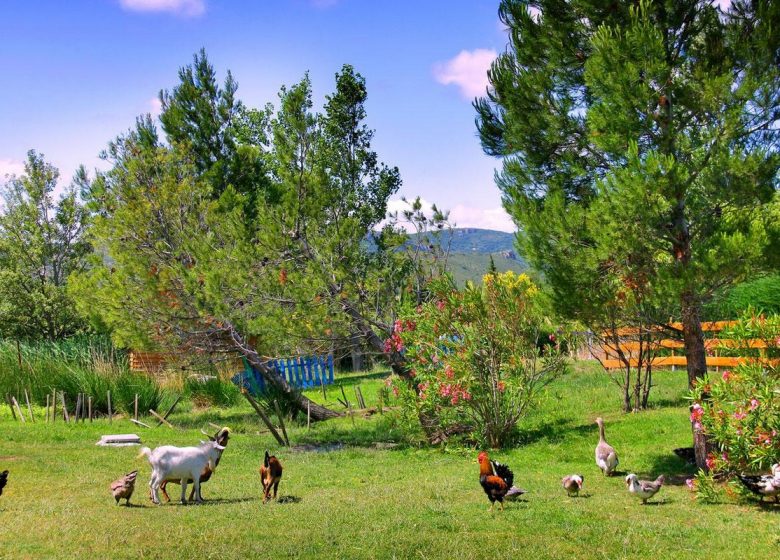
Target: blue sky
76 73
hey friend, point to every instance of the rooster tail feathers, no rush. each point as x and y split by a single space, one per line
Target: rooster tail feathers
503 472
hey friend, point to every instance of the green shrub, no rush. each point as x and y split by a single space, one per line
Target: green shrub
476 357
89 365
211 390
739 409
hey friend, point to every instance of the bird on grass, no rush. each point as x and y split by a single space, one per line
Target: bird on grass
3 481
496 480
573 484
122 488
644 488
270 475
763 485
606 456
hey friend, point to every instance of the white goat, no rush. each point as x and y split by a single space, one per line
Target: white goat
182 463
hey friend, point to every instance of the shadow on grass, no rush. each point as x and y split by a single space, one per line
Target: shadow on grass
675 470
356 379
288 500
554 431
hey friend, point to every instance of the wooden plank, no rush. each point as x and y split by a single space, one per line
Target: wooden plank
134 421
281 422
710 344
160 418
18 409
263 416
714 361
707 326
29 408
170 410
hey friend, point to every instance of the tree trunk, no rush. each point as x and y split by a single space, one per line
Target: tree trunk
696 358
302 403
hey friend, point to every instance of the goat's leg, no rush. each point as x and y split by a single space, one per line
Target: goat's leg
276 485
183 491
155 484
196 483
163 486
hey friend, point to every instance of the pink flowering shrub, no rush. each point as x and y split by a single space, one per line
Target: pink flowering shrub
474 356
739 409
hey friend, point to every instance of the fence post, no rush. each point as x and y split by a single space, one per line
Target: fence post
29 408
65 414
110 414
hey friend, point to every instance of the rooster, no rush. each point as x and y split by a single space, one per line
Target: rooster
3 481
496 480
122 488
270 475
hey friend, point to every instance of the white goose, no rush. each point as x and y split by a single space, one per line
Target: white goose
645 489
606 456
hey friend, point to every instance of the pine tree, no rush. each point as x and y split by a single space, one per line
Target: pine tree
639 147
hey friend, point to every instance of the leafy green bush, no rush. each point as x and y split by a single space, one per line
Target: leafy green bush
211 390
476 357
739 409
762 294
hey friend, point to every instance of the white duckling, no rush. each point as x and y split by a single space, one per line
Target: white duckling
644 488
606 456
573 484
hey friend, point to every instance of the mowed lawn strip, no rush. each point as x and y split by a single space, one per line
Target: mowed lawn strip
361 502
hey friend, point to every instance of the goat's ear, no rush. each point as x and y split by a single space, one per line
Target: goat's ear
219 447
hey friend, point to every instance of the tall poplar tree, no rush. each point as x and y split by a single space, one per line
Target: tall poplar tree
640 148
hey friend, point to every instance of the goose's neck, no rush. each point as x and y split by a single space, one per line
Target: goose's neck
601 432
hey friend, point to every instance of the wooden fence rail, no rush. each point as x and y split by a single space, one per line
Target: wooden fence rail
630 348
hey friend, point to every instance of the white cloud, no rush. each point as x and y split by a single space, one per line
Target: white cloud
187 8
468 71
462 216
155 107
724 5
484 218
10 167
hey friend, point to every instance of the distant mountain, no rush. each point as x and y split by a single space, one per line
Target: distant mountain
470 251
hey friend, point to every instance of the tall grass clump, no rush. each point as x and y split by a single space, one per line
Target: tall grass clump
83 364
211 390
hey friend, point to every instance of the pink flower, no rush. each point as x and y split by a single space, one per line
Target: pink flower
388 382
440 305
501 386
754 404
697 426
552 338
690 483
435 359
740 414
725 457
454 399
726 376
696 413
398 326
448 372
395 391
710 462
445 390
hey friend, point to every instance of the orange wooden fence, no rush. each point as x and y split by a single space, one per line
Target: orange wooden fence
631 348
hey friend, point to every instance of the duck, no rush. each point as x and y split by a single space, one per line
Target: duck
645 489
122 488
573 484
606 456
763 485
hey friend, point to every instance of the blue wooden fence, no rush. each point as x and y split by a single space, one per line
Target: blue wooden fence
302 372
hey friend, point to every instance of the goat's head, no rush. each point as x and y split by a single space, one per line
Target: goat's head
221 437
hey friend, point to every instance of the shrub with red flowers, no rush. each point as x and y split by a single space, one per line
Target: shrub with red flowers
739 409
475 357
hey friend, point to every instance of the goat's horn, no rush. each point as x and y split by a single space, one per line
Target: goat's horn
202 431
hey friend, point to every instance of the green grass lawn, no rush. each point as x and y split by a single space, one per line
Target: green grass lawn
363 502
